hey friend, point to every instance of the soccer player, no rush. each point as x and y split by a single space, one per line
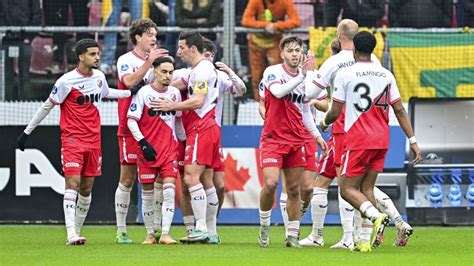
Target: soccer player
328 166
202 135
367 90
287 119
79 94
156 134
133 68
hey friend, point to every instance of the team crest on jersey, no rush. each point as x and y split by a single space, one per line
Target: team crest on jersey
200 87
55 90
133 107
124 67
99 83
173 98
271 77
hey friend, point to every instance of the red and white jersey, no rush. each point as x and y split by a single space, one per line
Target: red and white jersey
283 117
367 89
182 74
202 80
322 96
80 97
157 127
126 65
225 85
327 73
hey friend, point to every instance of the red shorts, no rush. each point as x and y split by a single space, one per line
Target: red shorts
81 161
221 167
180 151
147 175
359 162
127 149
326 166
338 139
202 147
311 152
282 155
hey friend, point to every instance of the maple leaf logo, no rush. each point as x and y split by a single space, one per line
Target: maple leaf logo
235 179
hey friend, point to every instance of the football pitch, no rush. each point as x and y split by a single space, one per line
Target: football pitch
45 245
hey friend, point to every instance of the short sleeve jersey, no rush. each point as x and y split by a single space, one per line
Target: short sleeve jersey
367 90
80 97
126 65
156 126
327 73
202 80
283 116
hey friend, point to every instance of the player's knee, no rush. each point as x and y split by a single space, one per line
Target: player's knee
72 184
271 184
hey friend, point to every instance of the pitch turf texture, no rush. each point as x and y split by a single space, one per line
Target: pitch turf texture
45 245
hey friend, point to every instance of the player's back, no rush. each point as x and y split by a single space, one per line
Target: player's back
283 116
367 90
126 65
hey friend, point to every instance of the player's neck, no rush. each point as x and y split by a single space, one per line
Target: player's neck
85 70
139 51
346 45
159 87
198 58
291 70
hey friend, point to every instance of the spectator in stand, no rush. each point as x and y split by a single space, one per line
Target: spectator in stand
420 13
274 16
306 12
199 14
56 13
18 13
111 10
364 12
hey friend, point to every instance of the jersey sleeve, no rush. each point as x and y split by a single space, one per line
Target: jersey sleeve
261 89
136 106
270 77
59 92
323 95
123 68
323 76
178 99
394 92
202 75
105 85
225 82
339 88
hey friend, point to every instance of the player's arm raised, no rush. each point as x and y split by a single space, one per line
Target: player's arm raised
238 85
136 77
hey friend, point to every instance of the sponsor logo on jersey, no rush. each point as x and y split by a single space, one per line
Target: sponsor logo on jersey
124 67
147 176
55 90
131 156
72 164
270 160
261 86
271 77
99 83
181 163
133 107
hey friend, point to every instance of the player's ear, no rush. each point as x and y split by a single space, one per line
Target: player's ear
281 55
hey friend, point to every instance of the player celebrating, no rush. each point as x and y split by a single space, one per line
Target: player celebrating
79 93
133 68
203 135
156 134
287 119
367 90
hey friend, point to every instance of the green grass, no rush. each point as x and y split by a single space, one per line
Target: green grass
45 245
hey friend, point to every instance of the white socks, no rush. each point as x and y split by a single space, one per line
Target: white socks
147 210
168 207
368 210
293 228
212 208
189 222
82 208
365 231
265 217
346 211
319 208
122 200
284 213
199 205
157 205
385 204
69 206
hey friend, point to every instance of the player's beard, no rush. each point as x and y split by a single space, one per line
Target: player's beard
166 83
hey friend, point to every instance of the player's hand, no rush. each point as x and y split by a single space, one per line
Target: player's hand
161 104
21 141
322 144
223 67
416 150
270 28
308 64
137 87
156 53
323 127
148 151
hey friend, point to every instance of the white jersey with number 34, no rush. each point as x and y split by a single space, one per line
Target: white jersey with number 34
367 89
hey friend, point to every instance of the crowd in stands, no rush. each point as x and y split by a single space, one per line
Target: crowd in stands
282 15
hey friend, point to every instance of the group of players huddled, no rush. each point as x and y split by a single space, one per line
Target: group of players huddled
170 127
